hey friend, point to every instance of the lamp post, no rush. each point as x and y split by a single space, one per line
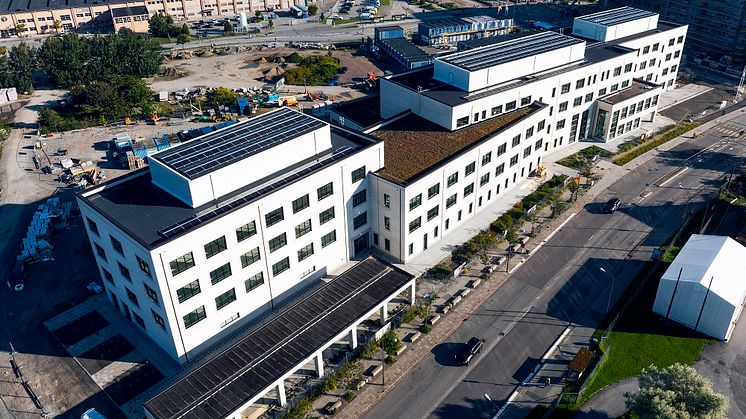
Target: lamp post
487 396
611 291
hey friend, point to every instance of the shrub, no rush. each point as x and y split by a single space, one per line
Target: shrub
390 343
668 134
369 349
349 395
390 359
294 58
440 271
426 328
299 410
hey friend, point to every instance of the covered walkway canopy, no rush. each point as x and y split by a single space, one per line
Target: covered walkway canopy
234 379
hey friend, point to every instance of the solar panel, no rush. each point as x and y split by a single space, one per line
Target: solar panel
617 16
218 149
224 383
502 52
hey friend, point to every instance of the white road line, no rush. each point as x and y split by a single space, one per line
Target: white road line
684 169
560 227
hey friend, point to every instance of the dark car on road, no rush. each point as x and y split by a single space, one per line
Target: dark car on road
467 352
612 205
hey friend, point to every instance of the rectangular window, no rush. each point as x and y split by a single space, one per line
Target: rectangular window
502 149
469 189
673 69
628 68
588 97
305 252
486 158
132 297
188 291
328 238
580 84
655 46
513 160
360 220
301 203
325 191
462 122
92 226
615 87
679 39
451 201
387 223
108 276
387 244
387 200
220 274
359 198
433 212
676 54
643 65
617 71
117 245
452 179
144 267
358 175
433 190
139 320
250 257
278 242
484 179
303 228
560 124
326 215
151 293
625 83
651 62
516 140
497 110
577 101
274 217
194 317
415 224
415 202
280 266
527 151
214 247
565 88
563 106
510 106
530 132
470 168
526 101
540 126
646 49
602 92
500 169
225 298
538 144
411 248
158 319
245 231
124 271
254 282
671 41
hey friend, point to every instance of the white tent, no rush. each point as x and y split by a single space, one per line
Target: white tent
705 286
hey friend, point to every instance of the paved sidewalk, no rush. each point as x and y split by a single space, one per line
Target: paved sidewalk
681 94
609 401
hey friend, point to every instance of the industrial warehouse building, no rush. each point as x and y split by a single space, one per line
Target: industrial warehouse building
704 287
225 227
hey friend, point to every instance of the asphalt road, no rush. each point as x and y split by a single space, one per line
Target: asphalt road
561 283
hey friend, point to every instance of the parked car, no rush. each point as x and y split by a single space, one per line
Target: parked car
467 352
612 205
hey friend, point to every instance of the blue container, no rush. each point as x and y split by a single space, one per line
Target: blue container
139 150
162 143
206 130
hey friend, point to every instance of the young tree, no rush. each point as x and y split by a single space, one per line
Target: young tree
313 9
57 25
22 61
185 29
160 25
574 187
183 39
20 29
512 238
677 391
271 23
228 27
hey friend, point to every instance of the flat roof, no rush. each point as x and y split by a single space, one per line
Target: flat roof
443 23
637 88
413 146
490 40
510 50
222 384
406 49
224 147
20 6
129 11
388 28
616 16
364 112
152 216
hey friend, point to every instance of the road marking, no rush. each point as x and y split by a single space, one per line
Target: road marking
673 176
560 227
557 342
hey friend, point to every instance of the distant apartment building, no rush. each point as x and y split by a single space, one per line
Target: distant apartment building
716 28
452 30
38 17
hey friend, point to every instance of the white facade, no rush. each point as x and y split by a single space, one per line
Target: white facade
703 288
246 265
613 24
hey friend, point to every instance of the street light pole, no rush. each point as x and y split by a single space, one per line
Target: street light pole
487 396
611 291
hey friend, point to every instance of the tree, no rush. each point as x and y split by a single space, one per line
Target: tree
677 391
161 25
512 238
20 29
57 25
228 27
313 9
574 187
271 23
22 62
183 39
185 29
222 96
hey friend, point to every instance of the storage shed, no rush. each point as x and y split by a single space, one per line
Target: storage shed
705 286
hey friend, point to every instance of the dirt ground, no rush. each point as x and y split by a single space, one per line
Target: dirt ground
242 70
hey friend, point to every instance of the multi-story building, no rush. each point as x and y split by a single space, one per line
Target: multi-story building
452 30
716 28
224 226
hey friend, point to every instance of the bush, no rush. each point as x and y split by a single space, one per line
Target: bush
668 135
390 343
349 395
440 271
299 410
426 328
390 359
369 349
294 58
313 70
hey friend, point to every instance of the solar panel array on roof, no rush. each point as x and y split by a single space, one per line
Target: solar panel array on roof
221 385
617 16
515 49
222 148
443 23
406 49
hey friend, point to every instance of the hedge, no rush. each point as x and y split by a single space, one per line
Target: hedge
664 138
